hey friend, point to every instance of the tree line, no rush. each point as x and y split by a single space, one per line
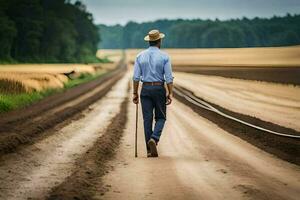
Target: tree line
256 32
46 31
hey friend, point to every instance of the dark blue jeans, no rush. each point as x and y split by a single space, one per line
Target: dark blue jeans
153 99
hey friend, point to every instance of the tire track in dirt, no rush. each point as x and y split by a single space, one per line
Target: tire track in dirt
86 179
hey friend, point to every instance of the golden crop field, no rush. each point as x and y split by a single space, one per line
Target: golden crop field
254 57
12 82
47 68
19 78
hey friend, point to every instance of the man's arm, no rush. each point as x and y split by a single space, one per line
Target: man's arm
136 80
169 80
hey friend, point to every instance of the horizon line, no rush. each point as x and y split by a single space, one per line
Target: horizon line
202 19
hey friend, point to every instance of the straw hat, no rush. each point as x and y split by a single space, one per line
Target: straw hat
154 35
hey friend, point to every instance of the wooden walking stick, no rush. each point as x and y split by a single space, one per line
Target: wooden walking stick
136 126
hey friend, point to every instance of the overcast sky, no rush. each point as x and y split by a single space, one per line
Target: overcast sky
121 11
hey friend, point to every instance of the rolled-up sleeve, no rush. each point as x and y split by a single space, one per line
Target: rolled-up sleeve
168 71
136 71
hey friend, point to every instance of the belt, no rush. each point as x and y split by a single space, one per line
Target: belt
153 83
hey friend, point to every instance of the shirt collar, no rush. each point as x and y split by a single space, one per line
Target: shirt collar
153 48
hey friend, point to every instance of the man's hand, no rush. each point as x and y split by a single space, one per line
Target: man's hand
135 98
169 99
170 93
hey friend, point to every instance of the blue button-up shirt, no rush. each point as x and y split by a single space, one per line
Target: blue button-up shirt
153 65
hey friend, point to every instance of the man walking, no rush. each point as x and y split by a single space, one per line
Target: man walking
153 68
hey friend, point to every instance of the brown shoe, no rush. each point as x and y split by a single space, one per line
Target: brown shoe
153 149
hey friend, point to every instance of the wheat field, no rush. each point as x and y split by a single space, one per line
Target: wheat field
29 82
26 78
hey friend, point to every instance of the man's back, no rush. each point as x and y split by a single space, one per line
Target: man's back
153 65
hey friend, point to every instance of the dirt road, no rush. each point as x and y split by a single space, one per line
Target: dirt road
34 170
198 160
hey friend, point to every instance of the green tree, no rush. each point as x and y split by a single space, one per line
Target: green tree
27 16
47 31
275 31
7 34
